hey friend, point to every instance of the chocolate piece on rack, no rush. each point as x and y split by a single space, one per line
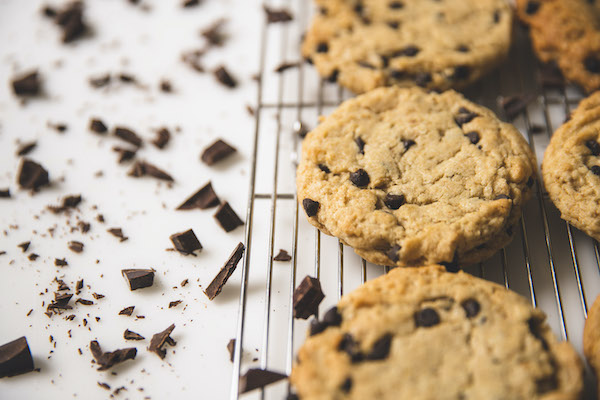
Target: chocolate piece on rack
277 15
256 378
108 359
130 335
282 256
216 152
231 349
118 232
203 198
162 138
98 126
143 168
28 84
128 135
26 148
138 278
515 105
32 175
15 358
227 218
307 297
76 246
224 77
219 281
127 311
160 339
186 242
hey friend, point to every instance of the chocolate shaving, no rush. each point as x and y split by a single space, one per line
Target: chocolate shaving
26 148
130 335
128 135
118 232
186 242
127 311
282 256
256 378
227 218
78 286
219 281
84 302
104 385
307 297
15 358
108 359
162 138
28 84
158 341
190 3
143 168
100 81
138 278
225 77
76 246
32 175
277 15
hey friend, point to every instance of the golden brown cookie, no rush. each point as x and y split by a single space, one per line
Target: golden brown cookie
591 338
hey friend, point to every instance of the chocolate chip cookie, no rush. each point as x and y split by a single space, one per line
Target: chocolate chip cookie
364 44
571 167
407 177
423 333
566 32
591 338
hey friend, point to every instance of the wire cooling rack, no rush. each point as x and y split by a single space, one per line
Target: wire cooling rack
549 262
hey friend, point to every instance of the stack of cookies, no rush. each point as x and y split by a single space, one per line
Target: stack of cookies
412 174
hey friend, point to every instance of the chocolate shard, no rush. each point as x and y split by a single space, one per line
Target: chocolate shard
186 242
143 168
216 152
138 278
127 311
515 105
190 3
174 303
219 281
214 33
162 138
124 154
282 256
32 175
158 341
128 135
130 335
202 199
550 76
24 246
28 84
108 359
118 232
277 15
15 358
70 19
166 86
26 148
307 297
76 246
225 78
227 218
84 302
256 378
68 202
231 349
96 125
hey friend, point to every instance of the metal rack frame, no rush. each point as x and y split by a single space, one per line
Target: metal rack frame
554 267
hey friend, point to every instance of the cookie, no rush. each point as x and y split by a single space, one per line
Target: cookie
423 333
566 32
591 338
364 44
407 177
571 167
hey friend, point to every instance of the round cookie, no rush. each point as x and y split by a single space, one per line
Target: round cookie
408 178
423 333
591 338
364 44
568 33
571 167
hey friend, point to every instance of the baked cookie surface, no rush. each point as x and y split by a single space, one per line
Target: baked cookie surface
364 44
568 33
423 333
408 178
591 338
571 167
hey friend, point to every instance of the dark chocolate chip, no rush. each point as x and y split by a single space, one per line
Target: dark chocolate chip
497 16
32 175
334 76
225 78
473 137
28 84
204 198
227 218
159 340
595 170
361 145
471 307
186 242
231 349
322 47
277 15
381 348
346 386
408 143
351 347
108 359
395 5
392 253
15 358
324 168
220 280
360 178
282 256
128 135
461 72
317 327
143 168
188 3
311 207
332 317
162 138
593 146
256 378
138 278
426 318
394 201
98 126
532 7
422 79
502 197
592 63
216 152
307 297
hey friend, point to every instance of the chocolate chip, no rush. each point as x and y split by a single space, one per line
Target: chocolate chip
515 105
282 256
216 152
204 198
162 138
256 378
334 76
595 170
471 307
317 327
227 218
392 253
98 126
324 168
359 8
138 278
332 317
143 168
394 201
277 15
307 297
346 386
32 175
361 145
231 349
594 146
186 242
461 72
422 79
395 5
502 197
159 340
225 78
463 48
84 302
360 178
311 207
497 16
226 271
408 143
546 384
532 7
128 135
108 359
473 137
28 84
322 47
464 117
381 348
351 347
426 318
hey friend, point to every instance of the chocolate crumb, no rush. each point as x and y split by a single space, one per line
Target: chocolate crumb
162 138
97 296
127 311
26 148
227 218
98 126
277 15
282 256
166 86
76 246
256 378
190 3
78 286
28 84
15 358
68 202
346 386
100 81
307 297
32 175
33 257
225 77
473 137
215 287
24 246
128 135
143 168
216 152
158 341
138 278
130 335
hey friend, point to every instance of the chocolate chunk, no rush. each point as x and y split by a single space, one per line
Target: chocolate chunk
5 193
324 168
461 72
24 246
361 145
333 76
118 232
186 242
159 340
219 281
33 257
174 303
129 335
473 137
127 311
100 81
285 66
15 358
311 207
282 256
28 84
166 86
592 63
408 143
70 19
224 77
595 170
162 138
394 201
426 318
108 359
351 347
231 349
515 105
277 15
594 146
322 47
26 148
203 199
60 262
360 178
214 34
502 197
256 378
48 11
346 386
546 384
216 152
84 302
381 348
471 307
75 246
61 302
316 327
332 317
392 253
408 51
68 202
143 168
532 7
32 175
227 218
395 5
422 79
125 154
128 135
138 278
307 297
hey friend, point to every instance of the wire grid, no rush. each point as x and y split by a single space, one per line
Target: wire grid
548 261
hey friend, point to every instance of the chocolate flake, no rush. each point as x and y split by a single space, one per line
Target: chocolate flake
227 218
282 256
360 178
124 154
127 311
158 341
204 198
104 385
24 246
118 232
138 278
277 15
225 77
216 152
166 86
426 318
130 335
67 203
231 349
97 296
100 81
108 359
96 125
84 302
311 207
307 297
186 242
190 3
61 302
143 168
215 287
162 138
256 378
78 286
26 148
32 175
128 135
422 79
461 72
28 84
76 246
15 358
174 303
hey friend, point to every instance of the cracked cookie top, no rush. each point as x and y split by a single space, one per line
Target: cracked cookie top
408 178
423 333
364 44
